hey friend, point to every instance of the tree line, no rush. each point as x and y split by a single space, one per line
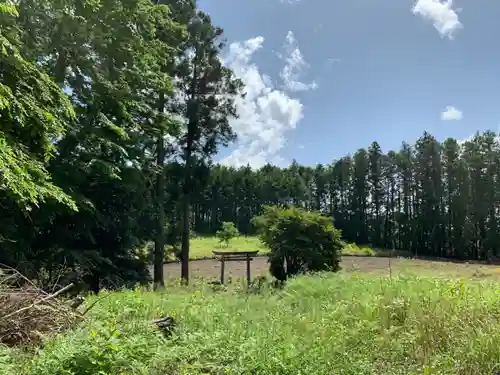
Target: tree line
430 198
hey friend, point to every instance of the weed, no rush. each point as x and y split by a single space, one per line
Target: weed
319 324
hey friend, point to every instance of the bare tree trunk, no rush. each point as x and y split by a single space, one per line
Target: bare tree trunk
94 282
158 278
193 118
185 239
186 213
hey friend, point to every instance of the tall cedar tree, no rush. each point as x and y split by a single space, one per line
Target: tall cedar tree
166 127
206 99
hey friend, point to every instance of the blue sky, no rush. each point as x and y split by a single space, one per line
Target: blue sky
327 77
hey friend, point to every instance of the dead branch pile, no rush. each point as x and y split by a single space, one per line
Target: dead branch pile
27 312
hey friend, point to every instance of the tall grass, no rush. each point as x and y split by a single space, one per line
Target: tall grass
323 324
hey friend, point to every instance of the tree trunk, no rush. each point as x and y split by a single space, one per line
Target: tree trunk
185 239
158 278
192 115
95 282
186 208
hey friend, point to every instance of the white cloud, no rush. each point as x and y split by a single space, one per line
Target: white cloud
294 67
441 14
461 142
266 114
450 113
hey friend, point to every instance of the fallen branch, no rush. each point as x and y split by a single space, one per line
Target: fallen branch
19 274
28 313
45 299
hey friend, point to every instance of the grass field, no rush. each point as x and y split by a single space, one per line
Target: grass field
377 316
202 247
346 323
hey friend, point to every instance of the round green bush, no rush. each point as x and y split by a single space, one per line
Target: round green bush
300 241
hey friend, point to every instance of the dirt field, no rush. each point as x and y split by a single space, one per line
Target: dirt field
211 268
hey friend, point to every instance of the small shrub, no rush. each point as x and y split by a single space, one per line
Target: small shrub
353 249
227 232
368 251
300 241
103 349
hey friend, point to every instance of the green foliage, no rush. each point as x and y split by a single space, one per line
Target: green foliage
33 112
103 348
11 360
227 232
300 241
94 143
322 324
353 249
101 147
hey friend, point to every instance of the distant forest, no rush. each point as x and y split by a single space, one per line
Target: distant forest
432 198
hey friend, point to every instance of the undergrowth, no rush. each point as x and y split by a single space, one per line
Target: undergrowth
322 324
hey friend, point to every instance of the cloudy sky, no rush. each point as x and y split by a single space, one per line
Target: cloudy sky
326 77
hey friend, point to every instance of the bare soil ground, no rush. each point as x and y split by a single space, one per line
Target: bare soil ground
210 268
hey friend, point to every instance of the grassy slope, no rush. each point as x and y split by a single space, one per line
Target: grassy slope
202 247
325 324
